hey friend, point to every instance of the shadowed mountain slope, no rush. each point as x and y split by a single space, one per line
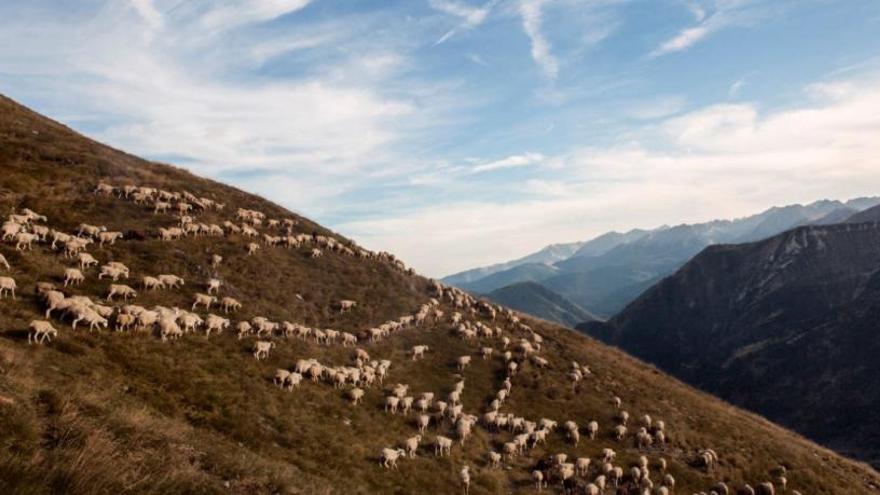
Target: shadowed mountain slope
786 327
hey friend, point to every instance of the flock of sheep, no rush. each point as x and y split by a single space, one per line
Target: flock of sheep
496 334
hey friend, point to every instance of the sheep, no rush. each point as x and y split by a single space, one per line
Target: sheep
121 290
669 481
216 259
281 376
661 465
608 455
442 446
90 230
592 429
124 321
623 417
591 489
262 348
422 422
293 380
72 276
112 272
391 403
487 352
465 477
243 328
316 253
582 465
463 362
389 457
171 281
765 488
24 241
538 478
707 458
4 263
412 445
213 285
346 305
108 237
619 432
151 283
40 331
418 351
7 285
252 248
494 459
355 394
229 304
215 323
53 300
203 300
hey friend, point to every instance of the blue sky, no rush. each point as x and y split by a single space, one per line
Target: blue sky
460 133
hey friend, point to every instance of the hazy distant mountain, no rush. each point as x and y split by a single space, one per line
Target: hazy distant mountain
537 300
606 273
869 215
787 326
547 256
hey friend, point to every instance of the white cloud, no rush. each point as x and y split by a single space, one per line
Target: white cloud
470 16
232 13
655 108
532 17
148 12
513 161
720 161
720 15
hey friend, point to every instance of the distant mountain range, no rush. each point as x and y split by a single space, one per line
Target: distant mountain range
537 300
788 327
606 273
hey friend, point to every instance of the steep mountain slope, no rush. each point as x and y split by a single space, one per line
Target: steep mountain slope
537 300
546 256
123 412
786 327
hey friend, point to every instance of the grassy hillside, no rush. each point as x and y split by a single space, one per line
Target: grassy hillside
122 412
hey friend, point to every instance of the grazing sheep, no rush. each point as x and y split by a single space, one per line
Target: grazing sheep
112 272
72 276
213 285
608 455
124 321
487 352
252 248
4 263
582 465
24 241
355 394
216 259
418 351
121 290
765 488
463 362
494 459
538 478
172 281
346 305
423 421
41 330
442 446
412 445
229 304
316 253
389 457
465 477
281 376
152 283
108 237
203 300
391 403
215 323
7 284
262 348
619 432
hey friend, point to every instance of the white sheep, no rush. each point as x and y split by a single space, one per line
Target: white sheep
24 241
463 362
121 290
442 446
412 445
465 477
389 457
152 283
538 478
213 285
252 248
203 300
171 281
4 263
346 305
41 330
72 276
7 285
423 421
494 459
216 259
229 304
262 348
418 351
109 237
355 394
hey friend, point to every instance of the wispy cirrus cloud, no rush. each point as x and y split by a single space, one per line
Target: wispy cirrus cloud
712 17
470 16
532 20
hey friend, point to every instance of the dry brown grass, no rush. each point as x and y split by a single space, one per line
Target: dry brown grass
113 413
